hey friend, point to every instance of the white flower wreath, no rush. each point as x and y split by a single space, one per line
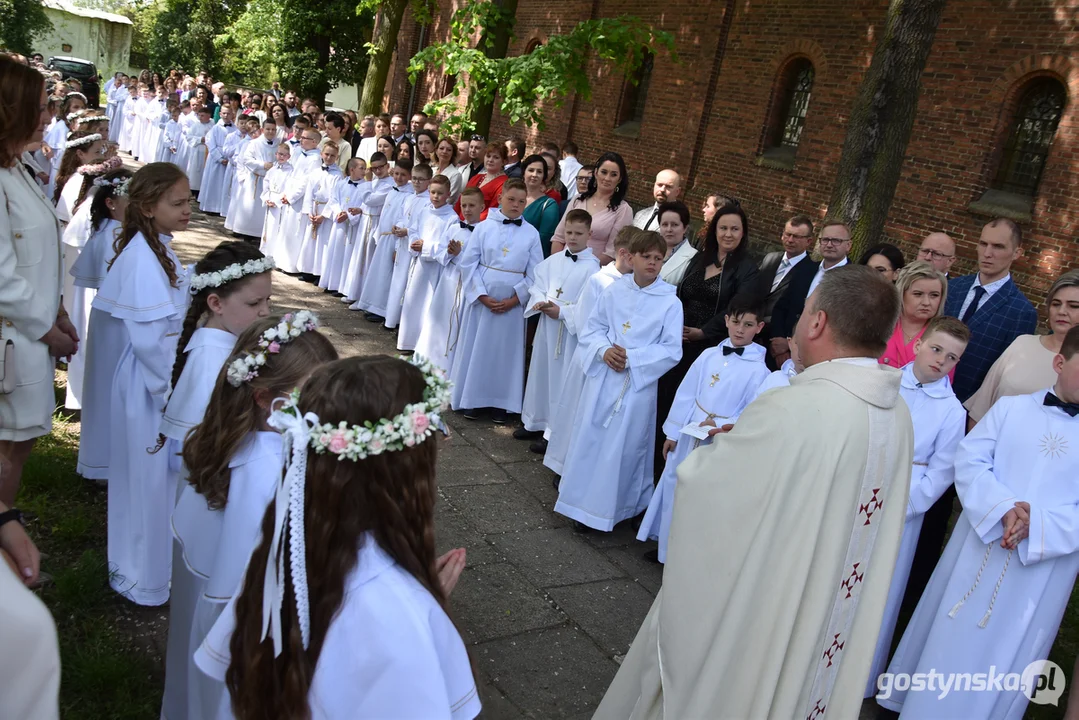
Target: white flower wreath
292 325
84 140
233 272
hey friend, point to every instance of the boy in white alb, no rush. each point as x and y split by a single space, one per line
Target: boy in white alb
170 136
425 237
564 413
249 131
273 187
375 290
213 176
633 337
362 243
402 258
940 421
247 211
346 212
196 149
442 321
1000 589
315 223
498 266
304 161
718 387
559 282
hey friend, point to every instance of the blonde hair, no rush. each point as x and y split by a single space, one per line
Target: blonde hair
921 270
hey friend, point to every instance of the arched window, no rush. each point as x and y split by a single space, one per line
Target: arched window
787 115
1027 146
635 94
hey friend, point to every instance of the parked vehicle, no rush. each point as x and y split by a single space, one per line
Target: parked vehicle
82 70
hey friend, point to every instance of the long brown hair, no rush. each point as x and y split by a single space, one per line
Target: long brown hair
232 412
20 100
146 188
69 164
392 496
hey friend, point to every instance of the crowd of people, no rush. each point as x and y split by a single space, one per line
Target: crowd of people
282 525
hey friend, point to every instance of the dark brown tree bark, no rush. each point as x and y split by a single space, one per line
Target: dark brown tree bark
881 120
495 43
384 38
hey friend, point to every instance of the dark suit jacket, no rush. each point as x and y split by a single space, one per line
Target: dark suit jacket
1003 317
514 170
767 275
788 308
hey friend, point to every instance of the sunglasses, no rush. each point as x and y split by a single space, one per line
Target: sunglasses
478 137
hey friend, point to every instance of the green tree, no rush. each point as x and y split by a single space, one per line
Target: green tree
184 32
527 85
20 22
388 15
881 120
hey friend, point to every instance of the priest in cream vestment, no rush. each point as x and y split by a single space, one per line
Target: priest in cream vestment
784 536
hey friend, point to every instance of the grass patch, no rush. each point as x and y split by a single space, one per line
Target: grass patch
110 665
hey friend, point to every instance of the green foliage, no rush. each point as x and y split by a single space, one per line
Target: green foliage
184 32
20 22
528 85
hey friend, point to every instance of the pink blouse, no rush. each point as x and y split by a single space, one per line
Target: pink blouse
899 353
605 226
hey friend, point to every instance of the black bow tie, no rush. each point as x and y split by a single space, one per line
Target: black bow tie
571 256
736 351
228 124
1052 400
396 189
353 182
516 222
465 225
326 168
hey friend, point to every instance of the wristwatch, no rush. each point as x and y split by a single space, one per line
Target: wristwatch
12 514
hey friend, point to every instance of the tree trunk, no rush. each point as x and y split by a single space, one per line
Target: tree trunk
499 38
383 38
320 84
881 120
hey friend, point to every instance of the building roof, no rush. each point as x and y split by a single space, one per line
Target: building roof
65 6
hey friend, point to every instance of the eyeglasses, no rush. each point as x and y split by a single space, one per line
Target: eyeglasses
378 167
833 241
934 254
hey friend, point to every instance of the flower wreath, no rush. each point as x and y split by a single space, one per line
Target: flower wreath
226 275
292 325
90 118
100 168
84 140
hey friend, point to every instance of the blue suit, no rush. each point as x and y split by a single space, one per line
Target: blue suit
1002 317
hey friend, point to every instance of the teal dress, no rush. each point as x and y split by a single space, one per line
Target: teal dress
543 215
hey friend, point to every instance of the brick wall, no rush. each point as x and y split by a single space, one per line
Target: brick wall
708 114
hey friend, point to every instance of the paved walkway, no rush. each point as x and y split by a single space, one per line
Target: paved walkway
546 612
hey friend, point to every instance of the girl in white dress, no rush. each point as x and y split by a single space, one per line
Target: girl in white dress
145 294
234 464
83 148
356 615
100 350
272 190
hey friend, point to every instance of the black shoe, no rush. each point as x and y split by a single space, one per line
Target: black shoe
499 416
472 414
539 447
371 317
580 527
523 434
652 556
556 481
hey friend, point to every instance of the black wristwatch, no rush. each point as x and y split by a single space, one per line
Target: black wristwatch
12 514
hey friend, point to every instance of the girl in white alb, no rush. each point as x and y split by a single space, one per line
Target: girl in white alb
358 626
145 295
234 463
272 190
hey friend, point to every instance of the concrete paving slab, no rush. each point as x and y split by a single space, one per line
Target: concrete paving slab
452 531
501 508
553 557
495 601
531 474
462 464
590 605
648 574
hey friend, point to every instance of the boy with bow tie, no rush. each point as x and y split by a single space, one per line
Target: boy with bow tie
346 211
498 267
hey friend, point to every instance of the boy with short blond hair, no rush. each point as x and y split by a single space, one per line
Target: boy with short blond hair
633 337
402 230
374 287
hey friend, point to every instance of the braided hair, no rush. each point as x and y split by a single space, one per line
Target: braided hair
146 188
99 208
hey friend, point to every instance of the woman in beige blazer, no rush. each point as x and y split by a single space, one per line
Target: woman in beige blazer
31 314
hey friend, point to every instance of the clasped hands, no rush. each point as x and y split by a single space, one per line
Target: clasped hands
548 308
1016 524
62 338
499 306
616 358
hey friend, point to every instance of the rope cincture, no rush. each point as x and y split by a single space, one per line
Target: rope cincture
977 580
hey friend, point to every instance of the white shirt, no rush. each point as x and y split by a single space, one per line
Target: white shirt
570 165
820 275
785 266
989 290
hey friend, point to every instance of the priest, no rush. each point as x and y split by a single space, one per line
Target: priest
785 534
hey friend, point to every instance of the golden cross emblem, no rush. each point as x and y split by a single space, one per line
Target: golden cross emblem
625 327
715 379
558 293
505 251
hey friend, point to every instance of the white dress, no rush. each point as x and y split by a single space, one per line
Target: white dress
489 366
940 422
183 150
76 300
608 474
564 413
559 279
210 553
442 321
424 272
212 194
365 239
717 387
234 173
170 142
56 138
145 315
316 203
196 153
348 194
273 187
402 259
247 211
287 252
375 291
127 123
1020 451
390 651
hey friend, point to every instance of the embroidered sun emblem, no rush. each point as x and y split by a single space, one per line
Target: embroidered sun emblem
1054 446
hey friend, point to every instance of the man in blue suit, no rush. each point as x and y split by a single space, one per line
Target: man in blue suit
997 313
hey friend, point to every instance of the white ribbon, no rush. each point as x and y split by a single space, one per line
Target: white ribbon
290 493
